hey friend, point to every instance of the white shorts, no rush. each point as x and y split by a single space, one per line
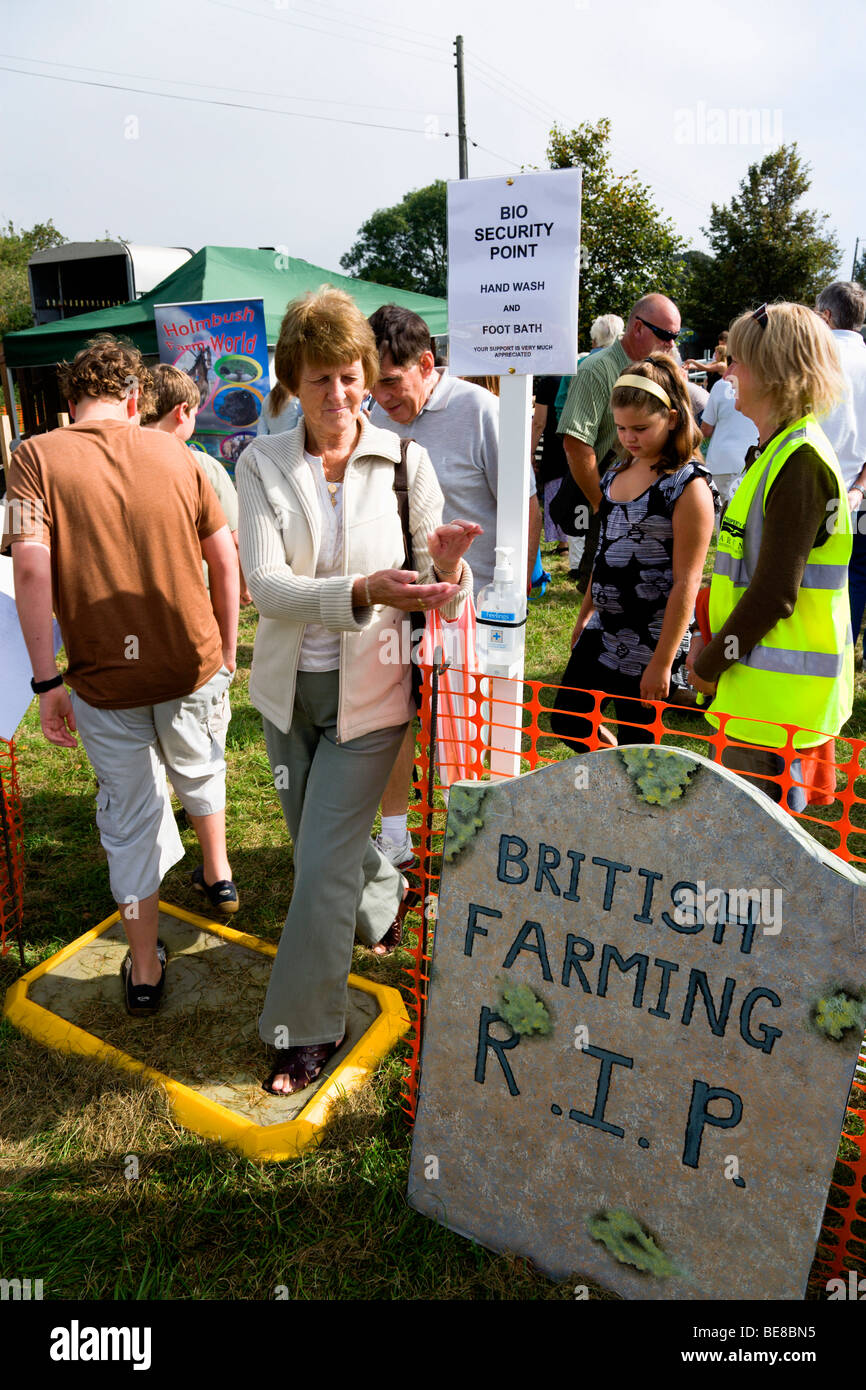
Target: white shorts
131 750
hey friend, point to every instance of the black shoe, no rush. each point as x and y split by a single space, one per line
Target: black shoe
142 1000
222 895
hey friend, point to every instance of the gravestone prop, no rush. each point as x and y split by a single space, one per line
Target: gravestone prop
646 1002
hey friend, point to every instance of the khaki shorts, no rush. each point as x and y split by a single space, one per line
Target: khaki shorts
131 751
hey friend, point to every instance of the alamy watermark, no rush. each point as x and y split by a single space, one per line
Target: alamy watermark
834 517
20 1290
25 518
697 905
398 646
855 1289
733 125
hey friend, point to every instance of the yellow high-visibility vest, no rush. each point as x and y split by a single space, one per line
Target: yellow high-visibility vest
802 670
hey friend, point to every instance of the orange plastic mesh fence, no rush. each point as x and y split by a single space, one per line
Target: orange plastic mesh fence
11 855
842 1241
837 818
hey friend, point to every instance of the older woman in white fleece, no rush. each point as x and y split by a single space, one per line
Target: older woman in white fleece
322 547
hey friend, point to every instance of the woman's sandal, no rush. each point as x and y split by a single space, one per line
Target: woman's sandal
303 1065
394 935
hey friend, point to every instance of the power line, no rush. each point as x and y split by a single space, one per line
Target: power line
503 157
238 106
516 88
499 92
213 101
326 33
513 95
208 86
370 27
617 150
388 23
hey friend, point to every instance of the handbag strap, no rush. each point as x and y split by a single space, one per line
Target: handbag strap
401 489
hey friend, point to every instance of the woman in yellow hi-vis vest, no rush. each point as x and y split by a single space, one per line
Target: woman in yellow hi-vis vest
781 649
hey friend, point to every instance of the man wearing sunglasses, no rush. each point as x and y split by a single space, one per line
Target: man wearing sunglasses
586 422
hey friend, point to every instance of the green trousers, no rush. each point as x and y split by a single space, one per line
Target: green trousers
329 793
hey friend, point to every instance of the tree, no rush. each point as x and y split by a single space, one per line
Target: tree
16 248
764 248
700 321
860 267
628 248
406 245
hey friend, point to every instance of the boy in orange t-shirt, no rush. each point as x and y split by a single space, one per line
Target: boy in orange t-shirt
108 525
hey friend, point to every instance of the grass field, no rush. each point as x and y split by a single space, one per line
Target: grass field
199 1221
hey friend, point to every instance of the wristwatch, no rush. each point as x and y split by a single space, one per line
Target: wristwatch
42 687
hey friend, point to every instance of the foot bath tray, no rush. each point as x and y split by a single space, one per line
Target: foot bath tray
202 1046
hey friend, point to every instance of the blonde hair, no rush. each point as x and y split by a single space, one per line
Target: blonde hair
793 359
277 400
172 387
325 327
684 439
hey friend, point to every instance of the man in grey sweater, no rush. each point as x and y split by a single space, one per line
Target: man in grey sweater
457 423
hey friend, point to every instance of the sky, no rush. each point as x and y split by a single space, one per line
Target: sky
266 122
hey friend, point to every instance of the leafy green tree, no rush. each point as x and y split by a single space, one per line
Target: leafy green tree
700 323
406 245
860 267
628 248
764 247
16 248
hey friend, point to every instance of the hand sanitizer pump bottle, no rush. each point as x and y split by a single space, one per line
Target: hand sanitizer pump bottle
501 610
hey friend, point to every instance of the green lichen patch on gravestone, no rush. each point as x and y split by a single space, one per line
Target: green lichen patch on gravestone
465 818
836 1011
522 1011
628 1242
660 775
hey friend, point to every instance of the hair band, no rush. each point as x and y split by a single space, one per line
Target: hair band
644 383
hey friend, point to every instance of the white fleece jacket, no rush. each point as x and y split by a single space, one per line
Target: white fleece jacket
279 538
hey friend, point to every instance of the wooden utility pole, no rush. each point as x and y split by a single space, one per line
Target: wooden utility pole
461 110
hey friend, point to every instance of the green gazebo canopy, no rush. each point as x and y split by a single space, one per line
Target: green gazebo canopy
215 272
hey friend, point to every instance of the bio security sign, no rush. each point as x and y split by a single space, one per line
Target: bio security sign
513 256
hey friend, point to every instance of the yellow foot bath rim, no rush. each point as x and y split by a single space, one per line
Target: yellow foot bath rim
202 1047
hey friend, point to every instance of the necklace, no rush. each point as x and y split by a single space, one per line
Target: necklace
334 485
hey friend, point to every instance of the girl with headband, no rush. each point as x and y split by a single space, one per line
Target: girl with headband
657 511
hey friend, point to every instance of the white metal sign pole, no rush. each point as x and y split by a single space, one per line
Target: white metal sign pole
513 253
512 525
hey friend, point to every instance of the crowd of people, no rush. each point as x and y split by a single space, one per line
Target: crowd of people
370 493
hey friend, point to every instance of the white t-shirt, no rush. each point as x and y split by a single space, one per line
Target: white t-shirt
320 648
845 427
733 432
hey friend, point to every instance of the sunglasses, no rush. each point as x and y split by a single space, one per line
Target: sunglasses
663 333
760 316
